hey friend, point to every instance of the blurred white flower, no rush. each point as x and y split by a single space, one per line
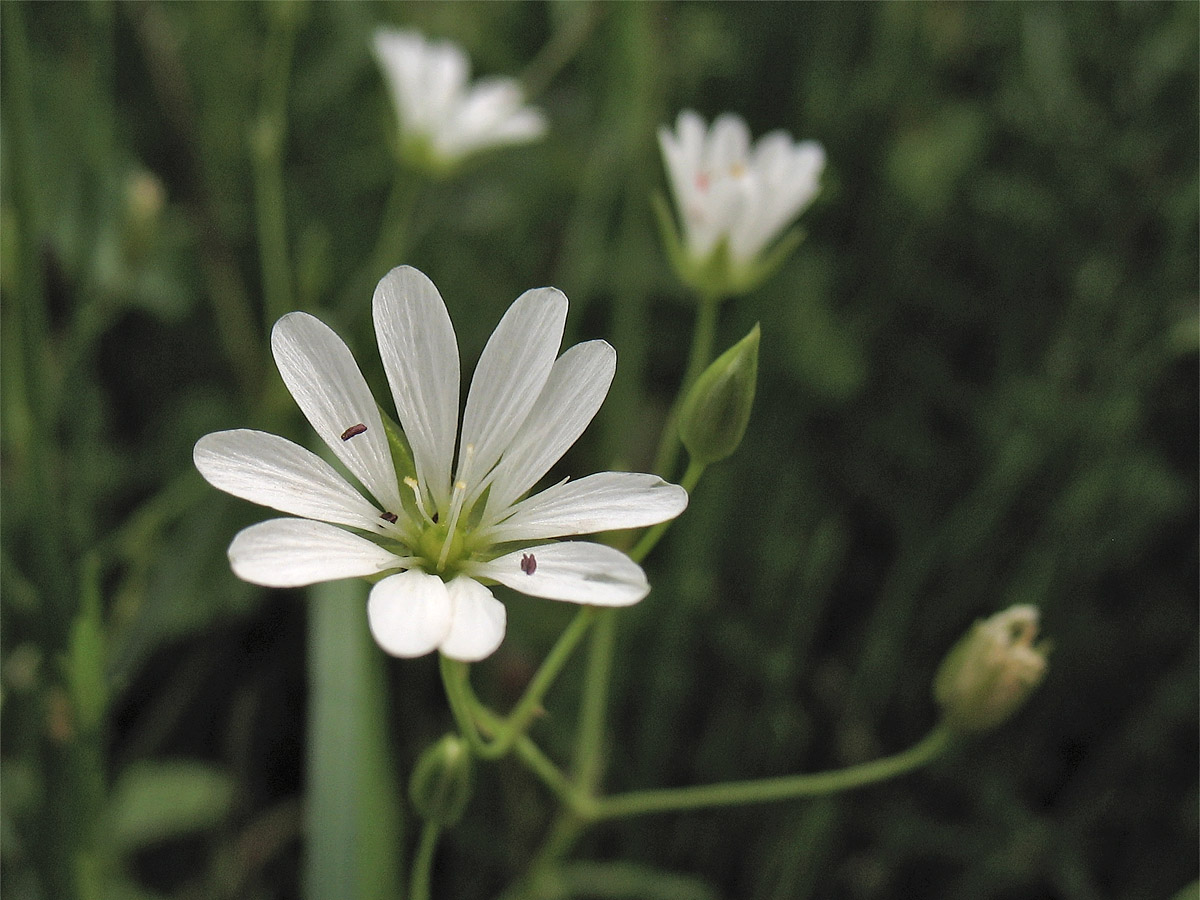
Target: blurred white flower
442 118
991 671
734 199
442 538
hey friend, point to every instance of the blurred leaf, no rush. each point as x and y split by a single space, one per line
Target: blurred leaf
354 817
623 881
154 801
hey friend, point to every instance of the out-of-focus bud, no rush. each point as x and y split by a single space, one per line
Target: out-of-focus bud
991 671
714 414
441 781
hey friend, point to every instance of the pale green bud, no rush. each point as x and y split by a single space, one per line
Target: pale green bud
716 410
441 781
991 671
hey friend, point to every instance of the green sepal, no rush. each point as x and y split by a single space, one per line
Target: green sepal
717 275
401 449
716 409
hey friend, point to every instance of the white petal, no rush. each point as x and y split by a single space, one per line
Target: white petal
420 356
477 627
272 471
606 501
510 376
409 613
321 373
728 142
577 385
296 552
575 571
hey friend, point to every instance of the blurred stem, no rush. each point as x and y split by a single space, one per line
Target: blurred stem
703 336
689 481
395 238
267 142
566 42
770 790
422 869
63 835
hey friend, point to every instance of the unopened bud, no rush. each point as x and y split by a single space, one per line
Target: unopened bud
991 671
441 781
714 414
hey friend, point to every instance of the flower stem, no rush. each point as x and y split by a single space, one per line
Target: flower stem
422 868
768 790
267 142
531 703
462 701
703 336
643 547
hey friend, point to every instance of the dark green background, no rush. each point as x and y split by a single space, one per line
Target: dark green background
978 387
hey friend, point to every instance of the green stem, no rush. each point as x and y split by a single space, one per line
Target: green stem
643 547
462 701
422 870
530 705
769 790
267 143
395 238
703 336
590 737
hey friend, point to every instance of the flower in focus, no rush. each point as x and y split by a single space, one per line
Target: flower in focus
991 671
437 532
734 199
442 118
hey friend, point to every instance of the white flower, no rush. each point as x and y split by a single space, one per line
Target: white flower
726 190
442 119
441 537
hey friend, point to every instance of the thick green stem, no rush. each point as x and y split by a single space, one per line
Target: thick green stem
422 870
770 790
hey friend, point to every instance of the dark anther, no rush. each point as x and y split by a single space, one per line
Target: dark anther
353 430
388 517
528 563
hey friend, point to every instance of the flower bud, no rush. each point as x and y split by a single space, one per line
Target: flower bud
441 781
991 671
714 414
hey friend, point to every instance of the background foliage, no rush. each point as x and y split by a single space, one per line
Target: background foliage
978 387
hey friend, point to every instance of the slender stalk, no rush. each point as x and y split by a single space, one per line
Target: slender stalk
530 704
267 143
703 336
590 736
422 870
643 547
770 790
395 239
462 702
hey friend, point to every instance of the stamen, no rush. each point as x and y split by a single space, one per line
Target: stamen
353 430
388 517
411 482
528 563
456 505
